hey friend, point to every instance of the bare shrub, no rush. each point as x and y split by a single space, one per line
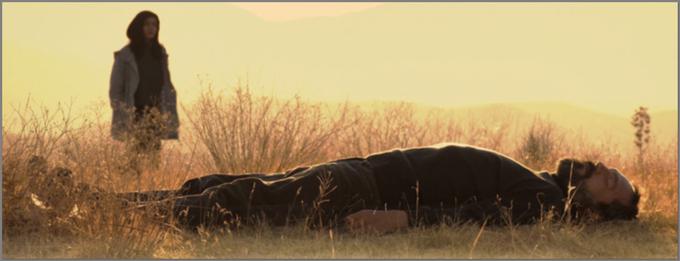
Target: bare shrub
393 126
490 129
245 133
43 200
539 145
641 121
33 133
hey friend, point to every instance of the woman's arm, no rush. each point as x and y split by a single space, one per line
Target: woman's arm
116 83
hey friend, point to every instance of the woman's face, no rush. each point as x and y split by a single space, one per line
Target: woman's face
150 28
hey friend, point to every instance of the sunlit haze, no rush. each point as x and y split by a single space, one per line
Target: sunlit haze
608 57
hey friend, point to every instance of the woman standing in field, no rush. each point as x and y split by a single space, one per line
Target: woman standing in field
143 99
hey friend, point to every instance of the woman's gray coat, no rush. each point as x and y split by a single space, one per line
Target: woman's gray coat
123 85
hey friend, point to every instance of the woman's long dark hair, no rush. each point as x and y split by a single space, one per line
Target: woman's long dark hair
135 33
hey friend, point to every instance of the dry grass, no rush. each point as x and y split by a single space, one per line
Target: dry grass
240 132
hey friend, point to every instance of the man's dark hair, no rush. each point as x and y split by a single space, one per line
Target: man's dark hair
567 170
135 33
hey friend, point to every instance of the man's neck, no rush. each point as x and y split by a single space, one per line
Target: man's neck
561 181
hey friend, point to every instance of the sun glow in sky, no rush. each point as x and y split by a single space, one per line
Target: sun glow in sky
292 11
610 57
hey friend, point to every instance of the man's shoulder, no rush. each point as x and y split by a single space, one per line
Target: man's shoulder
549 178
442 147
454 146
450 145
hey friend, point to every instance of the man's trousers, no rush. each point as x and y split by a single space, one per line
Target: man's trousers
318 195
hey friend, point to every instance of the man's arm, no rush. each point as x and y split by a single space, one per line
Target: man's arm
380 221
490 212
390 220
526 206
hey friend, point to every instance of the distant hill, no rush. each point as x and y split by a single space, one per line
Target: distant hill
570 118
665 124
593 124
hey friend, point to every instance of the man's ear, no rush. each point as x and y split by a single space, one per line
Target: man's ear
569 167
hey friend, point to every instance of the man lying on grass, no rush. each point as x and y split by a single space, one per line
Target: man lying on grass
405 187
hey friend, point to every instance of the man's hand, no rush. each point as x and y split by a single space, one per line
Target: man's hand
380 221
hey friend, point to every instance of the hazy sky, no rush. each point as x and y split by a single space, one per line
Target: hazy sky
609 57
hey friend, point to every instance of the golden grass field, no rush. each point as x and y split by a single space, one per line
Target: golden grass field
239 132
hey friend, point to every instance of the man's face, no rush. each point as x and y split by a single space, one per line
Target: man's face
607 186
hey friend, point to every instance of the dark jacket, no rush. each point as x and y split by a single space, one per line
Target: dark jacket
122 89
432 183
464 183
